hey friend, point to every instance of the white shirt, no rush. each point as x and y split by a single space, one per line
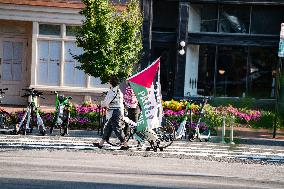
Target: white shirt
113 99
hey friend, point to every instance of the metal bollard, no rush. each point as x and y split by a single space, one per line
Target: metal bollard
232 130
223 129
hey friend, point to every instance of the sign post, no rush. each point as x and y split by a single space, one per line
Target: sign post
281 42
279 81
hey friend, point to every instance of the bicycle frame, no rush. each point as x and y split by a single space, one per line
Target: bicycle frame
4 116
30 110
197 134
158 138
181 130
62 115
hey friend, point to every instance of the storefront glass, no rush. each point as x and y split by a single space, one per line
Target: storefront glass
261 77
267 20
233 60
234 19
209 17
244 19
233 71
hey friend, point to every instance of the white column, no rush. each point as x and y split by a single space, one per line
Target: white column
88 81
34 54
194 20
192 54
191 70
63 35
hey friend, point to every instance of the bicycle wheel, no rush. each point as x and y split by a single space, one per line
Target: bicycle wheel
166 133
5 120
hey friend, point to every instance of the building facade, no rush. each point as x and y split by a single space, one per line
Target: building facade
37 39
230 48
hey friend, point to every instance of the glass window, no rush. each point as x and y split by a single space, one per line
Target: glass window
262 72
206 70
209 18
71 30
203 18
49 53
231 71
48 29
12 61
234 19
165 15
240 71
72 75
267 20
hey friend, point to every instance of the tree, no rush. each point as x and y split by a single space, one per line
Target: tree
111 39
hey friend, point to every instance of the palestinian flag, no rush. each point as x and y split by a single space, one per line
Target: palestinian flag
147 94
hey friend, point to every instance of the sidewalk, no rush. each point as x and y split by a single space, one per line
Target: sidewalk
242 135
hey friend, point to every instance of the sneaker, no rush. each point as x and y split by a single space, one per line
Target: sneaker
96 144
124 147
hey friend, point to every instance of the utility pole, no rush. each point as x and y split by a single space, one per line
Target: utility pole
279 92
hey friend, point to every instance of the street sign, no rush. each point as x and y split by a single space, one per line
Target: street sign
282 31
281 42
281 48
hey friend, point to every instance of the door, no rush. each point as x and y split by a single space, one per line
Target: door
13 69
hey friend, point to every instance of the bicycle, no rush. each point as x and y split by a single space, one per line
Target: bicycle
157 138
26 123
62 114
5 117
195 134
187 120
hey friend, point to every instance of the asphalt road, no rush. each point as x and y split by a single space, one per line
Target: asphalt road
40 169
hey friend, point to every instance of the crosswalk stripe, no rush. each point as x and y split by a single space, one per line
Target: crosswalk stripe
177 148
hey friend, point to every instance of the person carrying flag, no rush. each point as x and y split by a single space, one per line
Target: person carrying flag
115 115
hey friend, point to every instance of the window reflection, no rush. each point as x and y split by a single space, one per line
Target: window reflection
209 17
262 72
267 20
239 71
234 19
49 29
231 71
206 69
245 19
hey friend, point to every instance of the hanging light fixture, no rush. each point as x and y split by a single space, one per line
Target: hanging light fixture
182 51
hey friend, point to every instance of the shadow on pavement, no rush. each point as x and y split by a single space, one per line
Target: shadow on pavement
10 183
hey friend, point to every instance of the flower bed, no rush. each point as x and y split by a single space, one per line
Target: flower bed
242 117
86 116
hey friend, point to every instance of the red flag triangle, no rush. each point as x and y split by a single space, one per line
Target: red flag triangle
145 77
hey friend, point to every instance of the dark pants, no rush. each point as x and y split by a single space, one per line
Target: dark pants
132 115
115 124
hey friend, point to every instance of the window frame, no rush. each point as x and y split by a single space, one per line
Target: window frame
63 38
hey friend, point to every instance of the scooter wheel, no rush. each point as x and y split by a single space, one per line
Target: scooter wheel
43 132
148 149
161 149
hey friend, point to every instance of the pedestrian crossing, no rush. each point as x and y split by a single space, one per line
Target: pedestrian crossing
178 148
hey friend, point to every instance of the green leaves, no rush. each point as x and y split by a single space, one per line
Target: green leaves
111 40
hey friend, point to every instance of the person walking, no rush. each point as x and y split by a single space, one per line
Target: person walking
132 107
115 115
